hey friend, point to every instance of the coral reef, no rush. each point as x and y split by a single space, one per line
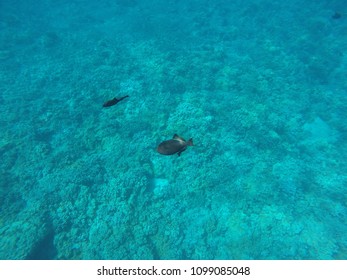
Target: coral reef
258 85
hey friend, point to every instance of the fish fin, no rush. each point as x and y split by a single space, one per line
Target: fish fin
190 142
179 154
121 98
177 137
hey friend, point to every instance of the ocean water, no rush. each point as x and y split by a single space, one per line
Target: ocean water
259 85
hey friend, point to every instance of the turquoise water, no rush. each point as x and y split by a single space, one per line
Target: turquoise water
259 85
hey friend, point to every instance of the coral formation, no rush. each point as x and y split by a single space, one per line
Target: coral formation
262 93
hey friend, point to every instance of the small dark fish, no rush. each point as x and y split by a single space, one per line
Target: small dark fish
337 15
113 101
174 146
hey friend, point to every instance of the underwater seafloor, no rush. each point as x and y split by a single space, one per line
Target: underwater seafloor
259 85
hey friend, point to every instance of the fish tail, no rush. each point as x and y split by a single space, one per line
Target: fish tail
190 142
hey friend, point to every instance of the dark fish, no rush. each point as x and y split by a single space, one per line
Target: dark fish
113 101
337 15
173 146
